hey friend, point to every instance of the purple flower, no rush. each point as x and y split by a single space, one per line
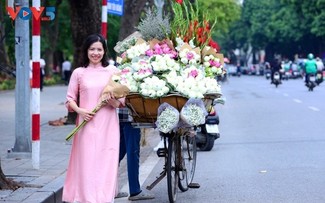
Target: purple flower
189 55
149 52
193 73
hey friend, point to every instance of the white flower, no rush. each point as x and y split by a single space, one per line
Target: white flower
189 57
193 114
168 119
137 50
179 43
211 85
163 63
153 87
129 82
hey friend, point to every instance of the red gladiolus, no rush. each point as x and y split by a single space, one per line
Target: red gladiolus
214 45
179 1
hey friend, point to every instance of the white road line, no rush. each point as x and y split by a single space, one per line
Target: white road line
313 108
297 100
145 170
285 94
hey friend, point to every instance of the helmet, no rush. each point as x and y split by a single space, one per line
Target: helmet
310 56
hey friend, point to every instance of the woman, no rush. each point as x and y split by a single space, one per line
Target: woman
92 171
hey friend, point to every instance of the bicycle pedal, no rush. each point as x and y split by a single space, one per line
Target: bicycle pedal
161 152
194 185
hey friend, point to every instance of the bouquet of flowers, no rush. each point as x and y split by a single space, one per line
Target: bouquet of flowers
193 113
168 118
166 56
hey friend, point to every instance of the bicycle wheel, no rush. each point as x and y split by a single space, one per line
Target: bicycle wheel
172 174
188 160
182 173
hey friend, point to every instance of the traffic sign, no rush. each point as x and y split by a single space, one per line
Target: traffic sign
115 7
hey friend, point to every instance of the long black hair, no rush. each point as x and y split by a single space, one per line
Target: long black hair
87 43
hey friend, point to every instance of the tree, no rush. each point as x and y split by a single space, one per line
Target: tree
6 183
4 59
285 27
85 20
130 19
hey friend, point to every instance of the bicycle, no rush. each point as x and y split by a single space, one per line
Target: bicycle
179 152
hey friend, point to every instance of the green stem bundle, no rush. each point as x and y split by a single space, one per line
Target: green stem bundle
76 129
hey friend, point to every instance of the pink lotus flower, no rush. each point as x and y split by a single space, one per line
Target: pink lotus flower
189 55
214 63
149 52
193 73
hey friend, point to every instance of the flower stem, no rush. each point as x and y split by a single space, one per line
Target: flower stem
76 129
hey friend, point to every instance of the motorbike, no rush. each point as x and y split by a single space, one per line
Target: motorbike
267 74
208 132
276 79
319 77
296 74
311 84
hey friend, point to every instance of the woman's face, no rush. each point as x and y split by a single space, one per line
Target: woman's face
95 53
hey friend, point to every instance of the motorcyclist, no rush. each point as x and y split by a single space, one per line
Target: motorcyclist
276 67
310 67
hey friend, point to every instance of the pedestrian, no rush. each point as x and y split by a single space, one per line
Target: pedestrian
42 73
66 68
130 146
92 171
319 64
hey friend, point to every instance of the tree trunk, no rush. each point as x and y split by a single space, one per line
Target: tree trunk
3 54
85 20
131 16
7 184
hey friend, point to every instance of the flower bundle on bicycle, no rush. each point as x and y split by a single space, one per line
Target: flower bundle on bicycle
171 57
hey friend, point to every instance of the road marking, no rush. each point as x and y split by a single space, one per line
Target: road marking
285 94
144 171
297 100
313 108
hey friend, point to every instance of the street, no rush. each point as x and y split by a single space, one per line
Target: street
271 147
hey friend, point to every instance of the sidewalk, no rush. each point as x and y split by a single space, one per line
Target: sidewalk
45 184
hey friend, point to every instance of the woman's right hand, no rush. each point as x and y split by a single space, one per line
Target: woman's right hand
85 114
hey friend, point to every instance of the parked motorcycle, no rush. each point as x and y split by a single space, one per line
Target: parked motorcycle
276 79
311 84
208 132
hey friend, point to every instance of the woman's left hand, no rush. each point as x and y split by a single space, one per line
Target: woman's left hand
107 96
114 103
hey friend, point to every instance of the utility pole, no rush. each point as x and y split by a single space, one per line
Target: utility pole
22 147
104 19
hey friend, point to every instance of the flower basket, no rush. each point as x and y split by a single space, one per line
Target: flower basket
145 110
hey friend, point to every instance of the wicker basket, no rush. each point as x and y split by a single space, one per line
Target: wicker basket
145 110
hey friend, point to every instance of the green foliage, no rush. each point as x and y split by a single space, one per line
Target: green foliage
113 24
284 25
65 37
7 84
55 79
225 12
